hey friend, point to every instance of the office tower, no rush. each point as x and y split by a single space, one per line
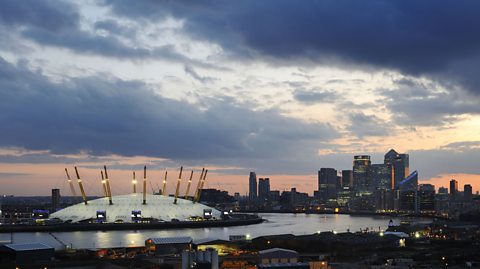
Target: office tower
381 176
263 188
361 175
327 184
252 186
442 190
426 197
399 165
410 183
467 192
347 178
453 188
55 199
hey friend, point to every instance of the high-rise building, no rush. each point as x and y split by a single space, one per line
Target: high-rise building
327 184
381 176
252 186
410 183
263 188
399 165
453 188
55 199
426 197
361 175
467 192
347 178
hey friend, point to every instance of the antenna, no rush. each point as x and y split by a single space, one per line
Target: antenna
178 185
188 186
109 191
105 192
72 188
84 196
145 185
134 183
164 189
198 185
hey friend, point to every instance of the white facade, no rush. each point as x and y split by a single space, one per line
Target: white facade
158 207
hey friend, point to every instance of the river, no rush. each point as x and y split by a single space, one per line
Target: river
275 223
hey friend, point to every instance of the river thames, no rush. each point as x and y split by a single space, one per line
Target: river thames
275 223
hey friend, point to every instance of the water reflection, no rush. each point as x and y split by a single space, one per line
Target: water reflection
298 224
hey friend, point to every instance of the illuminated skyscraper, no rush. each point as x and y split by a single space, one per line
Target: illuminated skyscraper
399 165
362 180
453 188
252 186
381 176
327 184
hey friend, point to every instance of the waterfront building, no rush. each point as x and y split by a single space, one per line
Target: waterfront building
55 199
381 176
327 184
453 188
399 164
383 199
361 175
347 178
343 196
467 192
426 197
263 188
252 186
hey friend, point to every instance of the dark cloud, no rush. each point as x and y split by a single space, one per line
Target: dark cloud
58 24
414 37
103 116
314 96
362 125
191 71
414 103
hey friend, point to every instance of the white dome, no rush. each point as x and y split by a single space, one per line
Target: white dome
158 207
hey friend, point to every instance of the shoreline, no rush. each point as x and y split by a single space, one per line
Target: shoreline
127 226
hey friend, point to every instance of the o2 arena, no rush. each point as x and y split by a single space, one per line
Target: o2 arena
137 210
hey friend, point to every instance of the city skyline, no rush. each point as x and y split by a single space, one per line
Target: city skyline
231 88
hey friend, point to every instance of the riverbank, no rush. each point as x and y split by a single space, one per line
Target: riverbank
70 227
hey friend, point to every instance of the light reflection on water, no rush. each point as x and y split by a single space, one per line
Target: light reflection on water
276 224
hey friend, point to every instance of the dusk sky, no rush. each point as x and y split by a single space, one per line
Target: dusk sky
279 87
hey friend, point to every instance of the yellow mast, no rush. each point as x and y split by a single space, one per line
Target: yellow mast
198 185
134 183
201 185
145 185
109 191
164 189
72 188
84 196
105 193
178 185
188 186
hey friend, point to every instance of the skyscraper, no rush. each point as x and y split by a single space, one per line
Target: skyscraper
453 188
361 175
399 165
55 199
426 197
467 192
381 176
327 184
347 178
263 188
252 186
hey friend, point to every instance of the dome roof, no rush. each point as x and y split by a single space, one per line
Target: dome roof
158 207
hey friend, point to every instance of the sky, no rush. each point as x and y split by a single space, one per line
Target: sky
279 87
